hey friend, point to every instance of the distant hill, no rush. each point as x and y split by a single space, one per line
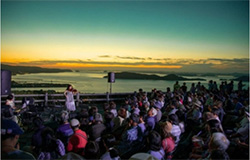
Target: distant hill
242 78
170 77
36 85
27 69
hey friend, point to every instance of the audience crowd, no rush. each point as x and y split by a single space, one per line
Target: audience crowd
179 123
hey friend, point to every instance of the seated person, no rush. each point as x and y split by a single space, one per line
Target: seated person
10 101
97 128
78 140
111 153
36 141
155 147
10 132
64 131
133 132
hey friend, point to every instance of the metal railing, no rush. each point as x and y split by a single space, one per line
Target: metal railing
79 97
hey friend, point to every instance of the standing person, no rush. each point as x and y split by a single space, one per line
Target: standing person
176 86
240 85
192 89
184 88
69 94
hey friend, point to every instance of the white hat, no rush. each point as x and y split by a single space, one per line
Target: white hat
154 112
74 122
197 103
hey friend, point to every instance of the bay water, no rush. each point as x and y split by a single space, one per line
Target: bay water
93 82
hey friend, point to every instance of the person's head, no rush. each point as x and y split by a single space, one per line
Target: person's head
108 116
64 116
38 122
74 123
84 113
98 118
143 116
197 105
84 122
122 112
168 89
215 111
207 116
173 118
69 87
10 132
213 125
10 97
219 154
181 115
93 110
154 140
218 141
108 140
145 105
152 112
106 107
112 105
166 128
133 119
92 150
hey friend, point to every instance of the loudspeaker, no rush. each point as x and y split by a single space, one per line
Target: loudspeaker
111 77
5 82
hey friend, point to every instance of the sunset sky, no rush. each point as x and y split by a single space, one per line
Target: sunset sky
199 36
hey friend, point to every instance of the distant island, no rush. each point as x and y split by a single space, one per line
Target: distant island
35 85
28 69
242 78
170 77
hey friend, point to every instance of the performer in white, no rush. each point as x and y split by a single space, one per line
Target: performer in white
69 94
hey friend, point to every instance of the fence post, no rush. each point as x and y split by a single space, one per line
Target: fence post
46 99
77 99
107 96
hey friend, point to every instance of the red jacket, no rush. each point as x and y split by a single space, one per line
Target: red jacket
77 142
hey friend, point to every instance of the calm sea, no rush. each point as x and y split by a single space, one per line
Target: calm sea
93 82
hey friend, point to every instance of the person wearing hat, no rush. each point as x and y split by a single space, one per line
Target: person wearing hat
97 128
78 140
152 112
195 113
158 106
168 142
10 132
134 132
64 131
176 130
